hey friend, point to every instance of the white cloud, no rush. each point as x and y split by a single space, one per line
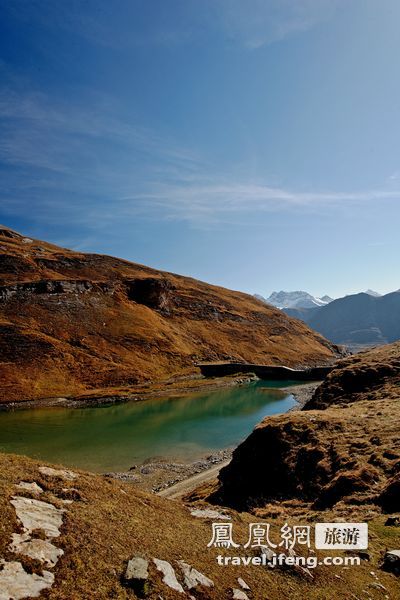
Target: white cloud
199 202
95 166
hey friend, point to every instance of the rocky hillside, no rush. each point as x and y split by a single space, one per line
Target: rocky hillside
358 320
371 375
74 535
346 453
73 322
319 457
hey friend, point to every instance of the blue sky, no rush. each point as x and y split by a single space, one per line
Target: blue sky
253 144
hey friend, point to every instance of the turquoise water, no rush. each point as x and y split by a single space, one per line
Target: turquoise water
113 438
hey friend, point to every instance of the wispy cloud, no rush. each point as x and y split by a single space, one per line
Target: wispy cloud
219 202
64 161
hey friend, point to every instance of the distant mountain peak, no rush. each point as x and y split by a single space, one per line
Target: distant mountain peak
296 299
373 293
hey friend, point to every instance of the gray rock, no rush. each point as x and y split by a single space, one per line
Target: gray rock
267 551
208 513
32 488
243 584
137 568
192 577
38 549
239 594
16 583
169 577
58 473
391 562
136 575
35 514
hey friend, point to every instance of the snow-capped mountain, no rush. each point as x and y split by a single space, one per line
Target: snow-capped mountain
298 299
373 293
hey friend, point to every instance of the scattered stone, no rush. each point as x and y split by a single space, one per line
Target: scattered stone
239 594
391 562
208 513
136 574
269 554
71 494
393 521
35 514
38 549
169 577
16 583
192 577
137 568
243 584
58 473
33 487
378 586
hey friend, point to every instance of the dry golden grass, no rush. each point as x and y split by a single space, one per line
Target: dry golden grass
370 375
113 521
100 332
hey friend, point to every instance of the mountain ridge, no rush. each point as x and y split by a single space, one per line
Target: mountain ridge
295 299
73 322
356 320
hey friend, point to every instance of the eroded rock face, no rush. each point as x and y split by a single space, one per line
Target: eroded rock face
35 514
48 286
152 292
16 583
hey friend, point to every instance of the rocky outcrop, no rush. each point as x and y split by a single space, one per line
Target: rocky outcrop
40 522
366 376
318 457
43 287
152 292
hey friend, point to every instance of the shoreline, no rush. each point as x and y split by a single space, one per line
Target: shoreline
175 479
174 387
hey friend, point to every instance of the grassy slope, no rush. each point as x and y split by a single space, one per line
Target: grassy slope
65 344
369 375
112 521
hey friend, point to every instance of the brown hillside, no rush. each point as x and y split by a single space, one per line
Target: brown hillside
347 453
318 457
107 522
72 322
370 375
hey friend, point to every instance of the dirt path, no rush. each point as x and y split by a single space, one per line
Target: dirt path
187 485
